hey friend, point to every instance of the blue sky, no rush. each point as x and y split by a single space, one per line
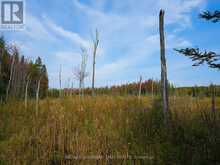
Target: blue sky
129 40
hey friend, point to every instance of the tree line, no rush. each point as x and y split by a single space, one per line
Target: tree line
149 87
20 77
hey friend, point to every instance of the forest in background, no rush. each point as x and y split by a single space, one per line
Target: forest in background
149 87
17 73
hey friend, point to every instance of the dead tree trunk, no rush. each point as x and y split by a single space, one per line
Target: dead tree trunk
72 90
140 85
80 72
11 76
95 46
37 95
80 88
164 81
60 82
26 91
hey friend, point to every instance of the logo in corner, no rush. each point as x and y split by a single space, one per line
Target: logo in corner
12 15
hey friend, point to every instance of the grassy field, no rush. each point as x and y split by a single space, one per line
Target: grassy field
68 128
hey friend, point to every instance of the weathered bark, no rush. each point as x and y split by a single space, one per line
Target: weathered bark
95 46
164 81
140 85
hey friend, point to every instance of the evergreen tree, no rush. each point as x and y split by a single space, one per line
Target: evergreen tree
21 71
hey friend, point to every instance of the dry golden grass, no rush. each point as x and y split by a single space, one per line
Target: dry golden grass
104 125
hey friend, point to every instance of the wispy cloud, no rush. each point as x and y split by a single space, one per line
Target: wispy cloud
59 30
36 30
178 11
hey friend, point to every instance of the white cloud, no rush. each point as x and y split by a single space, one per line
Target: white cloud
178 11
76 38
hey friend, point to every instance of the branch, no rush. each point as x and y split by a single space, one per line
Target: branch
211 58
209 16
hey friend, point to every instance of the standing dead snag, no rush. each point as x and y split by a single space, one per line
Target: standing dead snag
95 46
60 81
164 81
37 94
140 85
26 91
80 71
14 51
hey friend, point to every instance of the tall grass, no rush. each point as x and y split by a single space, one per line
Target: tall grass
109 126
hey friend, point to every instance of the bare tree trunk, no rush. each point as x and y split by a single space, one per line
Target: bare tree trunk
80 88
69 87
11 76
95 46
164 81
14 82
93 76
26 91
60 82
72 90
80 71
140 85
37 95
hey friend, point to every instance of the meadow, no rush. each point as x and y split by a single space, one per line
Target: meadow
110 130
